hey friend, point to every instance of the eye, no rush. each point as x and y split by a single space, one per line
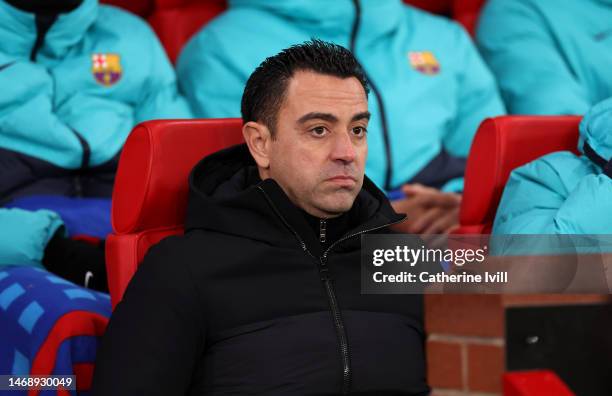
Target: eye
319 131
359 131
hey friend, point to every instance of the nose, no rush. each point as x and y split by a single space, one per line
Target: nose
344 148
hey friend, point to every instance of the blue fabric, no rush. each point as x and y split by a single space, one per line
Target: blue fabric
27 321
81 216
562 193
549 56
396 194
424 112
10 294
68 87
30 315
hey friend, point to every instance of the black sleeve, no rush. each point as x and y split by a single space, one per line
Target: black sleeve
156 334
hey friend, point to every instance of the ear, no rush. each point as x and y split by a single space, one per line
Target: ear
258 138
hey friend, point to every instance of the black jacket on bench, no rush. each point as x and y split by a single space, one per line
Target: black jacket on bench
250 301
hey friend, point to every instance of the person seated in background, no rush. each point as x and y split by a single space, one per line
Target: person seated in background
261 295
430 88
562 193
76 77
549 57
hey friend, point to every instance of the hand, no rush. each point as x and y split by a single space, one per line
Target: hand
429 210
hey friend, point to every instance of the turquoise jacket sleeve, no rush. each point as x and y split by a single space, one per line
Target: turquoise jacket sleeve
532 75
24 235
538 199
161 97
588 207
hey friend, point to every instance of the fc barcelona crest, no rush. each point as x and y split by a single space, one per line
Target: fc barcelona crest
106 68
424 62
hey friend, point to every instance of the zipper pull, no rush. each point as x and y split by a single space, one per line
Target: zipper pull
322 230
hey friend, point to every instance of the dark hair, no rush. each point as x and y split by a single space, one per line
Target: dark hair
265 90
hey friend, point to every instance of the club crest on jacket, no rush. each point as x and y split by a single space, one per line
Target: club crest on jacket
424 62
106 68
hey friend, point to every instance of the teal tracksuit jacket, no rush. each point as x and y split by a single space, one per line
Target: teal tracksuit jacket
430 88
549 56
99 72
562 193
70 98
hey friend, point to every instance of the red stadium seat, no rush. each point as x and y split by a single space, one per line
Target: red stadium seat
466 12
150 194
173 3
440 7
502 144
535 383
175 25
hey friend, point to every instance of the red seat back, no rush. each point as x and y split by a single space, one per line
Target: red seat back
502 144
175 25
466 12
440 7
150 194
535 383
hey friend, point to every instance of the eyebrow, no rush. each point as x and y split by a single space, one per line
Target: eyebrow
331 118
361 116
318 116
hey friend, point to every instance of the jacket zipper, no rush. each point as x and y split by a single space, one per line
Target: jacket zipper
322 230
77 184
376 92
333 302
43 24
329 288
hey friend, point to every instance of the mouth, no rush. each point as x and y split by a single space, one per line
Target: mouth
342 180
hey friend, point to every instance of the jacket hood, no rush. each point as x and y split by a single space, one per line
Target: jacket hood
596 130
227 196
18 30
325 18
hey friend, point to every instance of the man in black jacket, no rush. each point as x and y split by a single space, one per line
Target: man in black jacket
262 293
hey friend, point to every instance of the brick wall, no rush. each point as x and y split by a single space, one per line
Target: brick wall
466 343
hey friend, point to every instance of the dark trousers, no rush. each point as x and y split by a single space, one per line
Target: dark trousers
22 175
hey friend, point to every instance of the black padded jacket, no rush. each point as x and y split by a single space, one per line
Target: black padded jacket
250 301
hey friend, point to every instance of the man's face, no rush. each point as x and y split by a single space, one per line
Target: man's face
320 147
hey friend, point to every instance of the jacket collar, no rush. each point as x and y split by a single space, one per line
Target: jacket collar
225 197
18 30
333 20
